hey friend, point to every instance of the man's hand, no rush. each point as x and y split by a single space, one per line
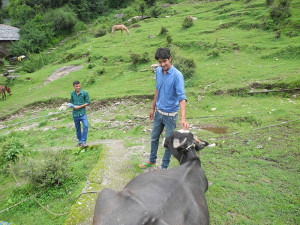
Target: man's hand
185 125
77 107
151 115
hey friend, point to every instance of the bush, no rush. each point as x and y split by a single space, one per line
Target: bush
155 12
100 32
137 58
163 30
36 61
185 65
280 11
169 39
188 22
150 2
52 169
63 20
12 149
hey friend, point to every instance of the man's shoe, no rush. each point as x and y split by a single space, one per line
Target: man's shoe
84 145
146 165
79 145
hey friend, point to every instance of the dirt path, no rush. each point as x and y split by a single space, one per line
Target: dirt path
112 171
63 71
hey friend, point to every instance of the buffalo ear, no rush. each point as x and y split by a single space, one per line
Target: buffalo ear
200 144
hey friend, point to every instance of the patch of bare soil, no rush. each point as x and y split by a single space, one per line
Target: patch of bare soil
63 71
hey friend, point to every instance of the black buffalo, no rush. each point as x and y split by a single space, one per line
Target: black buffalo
172 197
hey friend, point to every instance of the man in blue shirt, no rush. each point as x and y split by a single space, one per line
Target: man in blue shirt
80 99
168 98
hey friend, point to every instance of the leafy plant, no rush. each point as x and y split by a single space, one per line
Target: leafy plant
100 32
185 65
12 149
187 22
169 39
163 30
52 169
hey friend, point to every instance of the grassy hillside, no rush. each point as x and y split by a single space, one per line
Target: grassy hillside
252 170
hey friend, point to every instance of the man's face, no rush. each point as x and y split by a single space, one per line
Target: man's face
77 87
165 63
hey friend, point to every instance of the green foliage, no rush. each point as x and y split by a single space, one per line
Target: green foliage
52 169
138 58
11 149
62 20
163 30
185 65
169 39
155 11
37 61
117 3
100 32
150 2
19 12
269 2
280 11
187 22
36 35
142 9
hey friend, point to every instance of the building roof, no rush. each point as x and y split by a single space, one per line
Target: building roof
9 33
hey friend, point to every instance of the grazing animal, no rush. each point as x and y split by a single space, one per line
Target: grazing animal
171 197
2 91
119 27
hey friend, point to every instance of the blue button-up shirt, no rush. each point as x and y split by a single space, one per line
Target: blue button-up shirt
80 99
170 89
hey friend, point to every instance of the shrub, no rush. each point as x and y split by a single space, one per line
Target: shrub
269 2
63 20
163 30
12 149
169 39
52 169
37 61
187 22
150 2
215 53
137 58
280 11
185 65
155 12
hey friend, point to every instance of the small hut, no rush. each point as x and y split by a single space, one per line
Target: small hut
8 34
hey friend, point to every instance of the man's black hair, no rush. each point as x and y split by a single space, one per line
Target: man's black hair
163 53
76 82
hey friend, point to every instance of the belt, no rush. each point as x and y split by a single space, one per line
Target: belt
167 114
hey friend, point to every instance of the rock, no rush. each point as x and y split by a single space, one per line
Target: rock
153 67
151 36
119 16
135 17
166 5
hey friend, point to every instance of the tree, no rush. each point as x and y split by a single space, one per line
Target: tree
150 2
142 8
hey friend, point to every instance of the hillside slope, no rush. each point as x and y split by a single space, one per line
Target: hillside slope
229 43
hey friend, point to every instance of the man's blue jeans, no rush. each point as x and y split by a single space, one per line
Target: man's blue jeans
161 121
81 136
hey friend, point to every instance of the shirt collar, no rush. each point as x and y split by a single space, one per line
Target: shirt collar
170 70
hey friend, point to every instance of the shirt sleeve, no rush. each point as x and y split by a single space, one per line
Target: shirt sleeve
180 88
72 100
87 98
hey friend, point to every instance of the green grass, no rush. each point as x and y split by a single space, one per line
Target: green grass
253 170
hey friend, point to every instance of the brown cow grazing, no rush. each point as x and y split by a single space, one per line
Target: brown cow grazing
171 197
2 91
119 27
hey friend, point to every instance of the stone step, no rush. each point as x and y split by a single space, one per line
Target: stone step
12 76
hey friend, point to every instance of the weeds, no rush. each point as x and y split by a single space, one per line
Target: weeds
185 65
187 22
